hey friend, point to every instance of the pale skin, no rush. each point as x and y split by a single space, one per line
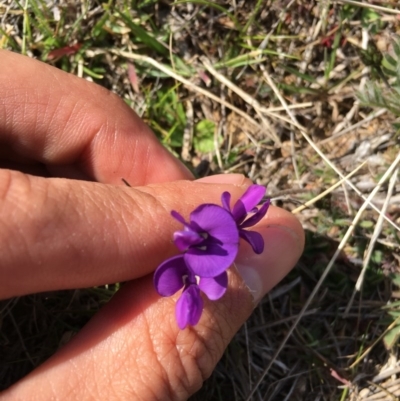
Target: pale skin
87 229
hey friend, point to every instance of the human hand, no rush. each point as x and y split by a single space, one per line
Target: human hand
88 229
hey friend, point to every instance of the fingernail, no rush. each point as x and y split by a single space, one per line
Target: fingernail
262 272
238 179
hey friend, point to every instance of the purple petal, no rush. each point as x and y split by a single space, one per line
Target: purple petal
178 217
239 211
219 249
189 307
255 239
248 201
215 221
226 201
253 220
169 276
185 238
214 287
212 261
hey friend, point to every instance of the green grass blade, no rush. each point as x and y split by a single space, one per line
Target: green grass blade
143 36
304 77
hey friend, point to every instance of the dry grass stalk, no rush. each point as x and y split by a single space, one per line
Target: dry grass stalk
190 85
328 191
316 148
371 245
327 270
369 6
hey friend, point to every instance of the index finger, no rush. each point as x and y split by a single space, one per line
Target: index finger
76 127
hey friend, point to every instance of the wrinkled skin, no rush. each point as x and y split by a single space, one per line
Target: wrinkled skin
85 228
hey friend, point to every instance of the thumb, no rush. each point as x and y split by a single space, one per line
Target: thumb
59 234
133 349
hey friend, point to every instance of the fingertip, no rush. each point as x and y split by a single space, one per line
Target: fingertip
284 243
284 218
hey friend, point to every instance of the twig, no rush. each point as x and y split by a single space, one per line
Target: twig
377 341
245 96
25 27
294 161
246 334
383 391
304 105
217 135
187 138
366 120
371 245
329 190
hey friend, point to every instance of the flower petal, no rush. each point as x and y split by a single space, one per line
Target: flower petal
185 238
214 220
219 249
214 287
255 239
178 217
169 276
253 220
189 307
212 261
248 201
226 201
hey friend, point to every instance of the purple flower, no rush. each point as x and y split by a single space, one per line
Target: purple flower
247 204
209 241
174 274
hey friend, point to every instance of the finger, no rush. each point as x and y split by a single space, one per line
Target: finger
133 348
58 233
75 128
